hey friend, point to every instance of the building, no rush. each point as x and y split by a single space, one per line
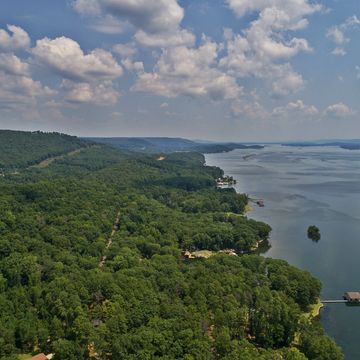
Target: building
42 356
352 296
188 255
39 357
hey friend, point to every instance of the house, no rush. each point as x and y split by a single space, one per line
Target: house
39 357
352 296
230 252
42 356
188 255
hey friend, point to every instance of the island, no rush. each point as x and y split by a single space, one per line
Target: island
313 233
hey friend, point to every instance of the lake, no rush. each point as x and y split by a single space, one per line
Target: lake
301 187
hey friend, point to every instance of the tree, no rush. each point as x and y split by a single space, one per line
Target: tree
313 233
315 345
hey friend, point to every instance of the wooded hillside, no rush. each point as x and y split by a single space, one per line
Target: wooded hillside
19 149
93 265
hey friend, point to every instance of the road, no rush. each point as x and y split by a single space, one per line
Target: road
109 243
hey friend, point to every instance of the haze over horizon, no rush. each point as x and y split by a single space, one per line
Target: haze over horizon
225 70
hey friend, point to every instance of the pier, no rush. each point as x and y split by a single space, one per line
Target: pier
350 297
258 202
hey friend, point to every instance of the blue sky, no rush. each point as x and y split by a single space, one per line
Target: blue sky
239 70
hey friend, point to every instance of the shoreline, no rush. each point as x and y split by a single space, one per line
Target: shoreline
315 309
309 316
248 180
248 208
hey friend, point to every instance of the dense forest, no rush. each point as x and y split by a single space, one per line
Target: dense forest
92 264
19 149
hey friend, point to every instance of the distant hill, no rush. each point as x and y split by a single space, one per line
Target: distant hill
19 149
166 145
344 144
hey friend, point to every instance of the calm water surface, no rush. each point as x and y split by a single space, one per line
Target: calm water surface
302 187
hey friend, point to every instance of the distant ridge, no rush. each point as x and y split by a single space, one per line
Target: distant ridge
19 149
353 144
166 144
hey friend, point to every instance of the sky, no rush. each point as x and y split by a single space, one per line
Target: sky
229 70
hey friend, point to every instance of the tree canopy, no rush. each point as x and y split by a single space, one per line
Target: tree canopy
79 284
19 149
313 233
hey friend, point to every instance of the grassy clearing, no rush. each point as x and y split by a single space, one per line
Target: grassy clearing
203 254
309 316
24 356
314 311
47 162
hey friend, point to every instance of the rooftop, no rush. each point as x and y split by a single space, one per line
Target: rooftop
39 357
353 295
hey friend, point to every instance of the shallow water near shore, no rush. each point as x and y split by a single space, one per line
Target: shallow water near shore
301 187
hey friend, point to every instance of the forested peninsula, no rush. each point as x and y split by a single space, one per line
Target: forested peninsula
93 265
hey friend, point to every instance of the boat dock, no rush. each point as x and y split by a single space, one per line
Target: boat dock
258 202
350 297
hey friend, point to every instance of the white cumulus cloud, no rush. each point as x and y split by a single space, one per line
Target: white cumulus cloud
151 16
20 90
295 8
11 64
88 78
102 94
126 50
286 80
157 23
65 57
17 87
337 34
14 38
136 66
297 108
246 57
192 72
265 47
109 25
339 110
176 38
87 7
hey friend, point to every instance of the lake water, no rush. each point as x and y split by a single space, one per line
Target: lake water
302 187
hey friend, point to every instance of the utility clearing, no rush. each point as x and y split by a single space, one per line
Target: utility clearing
45 163
109 243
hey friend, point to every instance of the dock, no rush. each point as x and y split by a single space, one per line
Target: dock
350 297
258 202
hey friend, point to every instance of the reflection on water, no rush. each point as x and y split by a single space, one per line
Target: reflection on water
302 187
